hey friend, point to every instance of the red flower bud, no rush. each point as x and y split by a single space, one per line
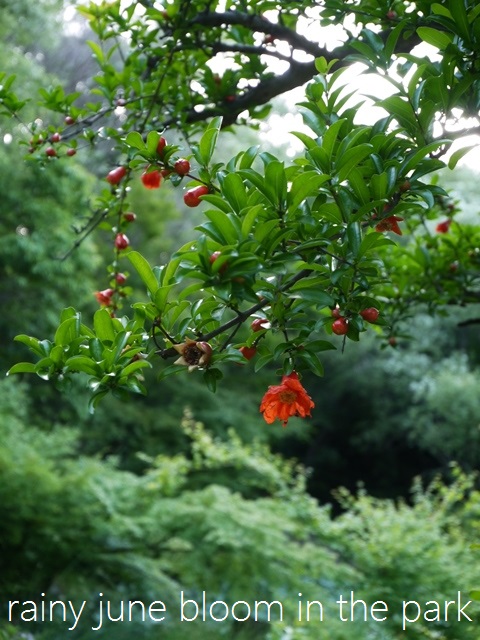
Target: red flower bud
121 241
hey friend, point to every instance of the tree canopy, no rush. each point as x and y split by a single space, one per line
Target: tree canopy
291 257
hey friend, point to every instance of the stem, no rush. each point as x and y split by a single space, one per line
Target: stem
242 315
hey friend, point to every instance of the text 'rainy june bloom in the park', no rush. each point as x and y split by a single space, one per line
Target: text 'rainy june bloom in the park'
285 400
193 354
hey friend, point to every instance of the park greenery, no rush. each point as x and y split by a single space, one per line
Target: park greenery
166 271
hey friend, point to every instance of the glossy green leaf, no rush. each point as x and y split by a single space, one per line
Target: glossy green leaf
103 325
207 143
22 367
134 139
459 154
144 270
135 366
224 226
67 331
83 364
234 191
438 39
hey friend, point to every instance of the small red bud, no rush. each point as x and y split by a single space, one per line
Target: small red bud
340 326
162 143
192 196
129 216
121 241
116 175
151 179
258 324
370 314
248 352
181 167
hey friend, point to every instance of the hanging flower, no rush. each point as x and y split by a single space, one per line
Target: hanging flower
390 224
104 297
193 354
286 400
443 227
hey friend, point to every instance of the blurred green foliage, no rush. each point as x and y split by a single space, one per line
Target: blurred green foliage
76 526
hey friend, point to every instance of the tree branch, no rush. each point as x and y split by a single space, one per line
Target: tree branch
260 24
297 75
241 315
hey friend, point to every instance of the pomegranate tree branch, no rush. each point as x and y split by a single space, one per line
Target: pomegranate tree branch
241 315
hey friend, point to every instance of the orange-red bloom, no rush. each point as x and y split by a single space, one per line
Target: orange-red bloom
443 227
390 224
104 297
286 400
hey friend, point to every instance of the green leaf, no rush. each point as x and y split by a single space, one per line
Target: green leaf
441 10
95 399
96 349
458 155
250 217
144 270
351 159
276 182
67 313
41 348
401 110
320 298
160 296
379 186
211 377
247 157
103 325
438 39
354 237
234 191
392 39
459 14
134 139
412 160
223 225
263 360
331 135
372 241
303 186
83 364
67 331
313 362
135 366
207 143
22 367
152 142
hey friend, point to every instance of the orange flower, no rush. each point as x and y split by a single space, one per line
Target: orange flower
390 224
104 297
443 227
286 400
